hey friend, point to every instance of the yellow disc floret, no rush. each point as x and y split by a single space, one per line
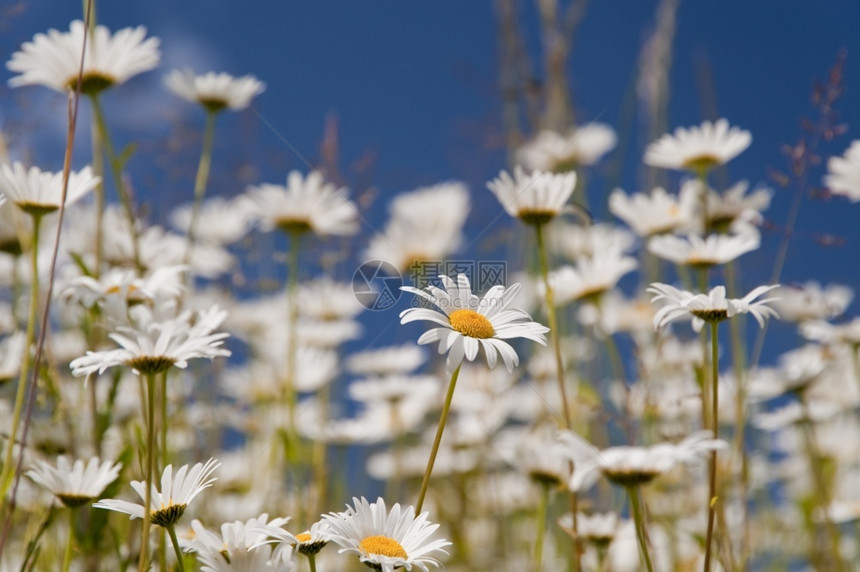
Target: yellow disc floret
471 323
382 546
303 537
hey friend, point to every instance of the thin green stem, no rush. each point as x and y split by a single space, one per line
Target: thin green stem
201 180
67 554
541 517
639 521
165 453
312 562
98 167
151 454
443 418
715 427
171 530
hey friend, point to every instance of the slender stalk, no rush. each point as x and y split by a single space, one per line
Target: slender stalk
541 516
432 460
98 167
292 324
312 562
151 453
201 179
165 453
639 520
715 427
171 530
67 554
8 466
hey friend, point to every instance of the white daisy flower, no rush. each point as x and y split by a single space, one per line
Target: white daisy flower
326 300
536 197
241 546
698 148
75 484
590 277
734 208
843 173
309 542
710 307
153 346
220 221
11 354
654 213
387 361
826 333
214 91
468 322
811 301
557 153
305 204
575 241
177 491
385 539
118 289
629 465
53 60
37 192
598 529
703 253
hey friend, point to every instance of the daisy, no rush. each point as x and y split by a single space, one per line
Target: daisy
843 173
385 539
53 60
37 192
734 208
309 542
710 307
75 484
703 253
387 361
598 529
214 91
827 333
557 153
155 346
536 197
241 546
219 220
698 149
177 491
590 277
467 322
812 301
629 465
11 353
305 204
654 213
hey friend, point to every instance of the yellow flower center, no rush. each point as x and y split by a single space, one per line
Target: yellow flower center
382 546
702 163
303 537
472 324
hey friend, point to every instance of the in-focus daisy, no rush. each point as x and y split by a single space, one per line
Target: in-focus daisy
305 204
53 60
703 252
843 173
628 465
654 213
557 153
467 322
698 149
383 539
214 91
155 346
37 192
75 484
241 546
536 197
309 542
177 491
710 307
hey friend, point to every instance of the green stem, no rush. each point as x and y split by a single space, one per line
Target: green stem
442 419
312 562
8 473
67 554
171 530
201 180
98 167
541 516
639 521
165 454
715 427
553 324
151 454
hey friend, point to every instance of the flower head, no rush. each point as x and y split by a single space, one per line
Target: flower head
703 252
467 322
214 91
385 539
557 153
698 148
53 60
710 307
75 484
177 491
242 546
536 197
37 193
655 213
843 173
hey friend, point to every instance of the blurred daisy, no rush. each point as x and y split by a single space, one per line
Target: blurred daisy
241 546
536 197
628 465
53 60
811 301
177 491
734 208
557 153
590 277
598 529
11 353
309 542
305 204
710 307
654 213
38 193
826 333
75 484
383 539
467 322
698 149
118 289
703 253
214 91
387 361
220 221
155 346
843 173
